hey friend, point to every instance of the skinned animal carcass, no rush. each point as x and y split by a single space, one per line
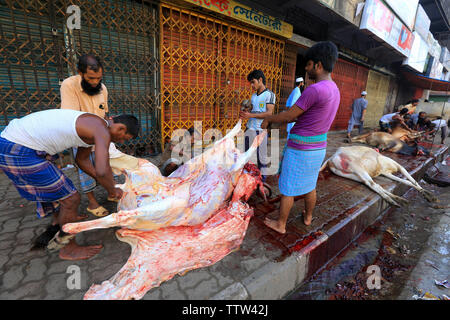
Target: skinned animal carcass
361 164
174 224
387 142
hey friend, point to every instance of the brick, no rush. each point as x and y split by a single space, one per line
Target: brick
12 277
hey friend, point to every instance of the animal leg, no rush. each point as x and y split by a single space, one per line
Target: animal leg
360 175
412 183
361 138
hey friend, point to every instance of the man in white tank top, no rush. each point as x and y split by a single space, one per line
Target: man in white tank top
24 144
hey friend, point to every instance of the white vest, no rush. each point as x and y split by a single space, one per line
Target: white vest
52 131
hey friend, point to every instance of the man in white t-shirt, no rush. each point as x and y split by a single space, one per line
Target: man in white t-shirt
262 105
385 121
440 123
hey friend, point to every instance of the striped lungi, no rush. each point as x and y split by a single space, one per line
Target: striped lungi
299 171
36 178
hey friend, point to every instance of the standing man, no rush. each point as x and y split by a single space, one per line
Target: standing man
86 92
314 113
359 107
262 104
293 97
25 145
440 123
412 105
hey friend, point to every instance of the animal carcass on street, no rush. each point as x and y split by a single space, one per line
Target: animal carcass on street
191 219
361 164
387 142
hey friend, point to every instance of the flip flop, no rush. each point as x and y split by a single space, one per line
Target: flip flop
99 212
60 240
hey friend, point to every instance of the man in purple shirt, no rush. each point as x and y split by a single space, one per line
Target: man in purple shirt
313 114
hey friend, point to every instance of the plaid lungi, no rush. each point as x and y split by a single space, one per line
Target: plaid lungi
36 178
300 170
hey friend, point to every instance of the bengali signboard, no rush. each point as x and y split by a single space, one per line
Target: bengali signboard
445 58
418 55
436 69
381 21
405 9
422 25
246 14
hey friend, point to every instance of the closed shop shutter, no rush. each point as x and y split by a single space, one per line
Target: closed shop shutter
205 63
288 77
38 51
377 92
351 80
125 35
30 59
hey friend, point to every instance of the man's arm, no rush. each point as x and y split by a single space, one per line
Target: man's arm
83 161
363 113
402 122
95 128
103 170
262 115
289 115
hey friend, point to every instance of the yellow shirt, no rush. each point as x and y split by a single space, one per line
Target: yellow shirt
410 108
73 97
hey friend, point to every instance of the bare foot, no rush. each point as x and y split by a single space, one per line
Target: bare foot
307 221
80 218
274 225
73 251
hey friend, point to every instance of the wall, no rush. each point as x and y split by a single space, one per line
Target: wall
435 109
377 92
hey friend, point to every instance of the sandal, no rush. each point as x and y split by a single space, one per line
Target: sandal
113 199
59 241
99 212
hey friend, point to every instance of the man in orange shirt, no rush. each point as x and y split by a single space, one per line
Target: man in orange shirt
86 92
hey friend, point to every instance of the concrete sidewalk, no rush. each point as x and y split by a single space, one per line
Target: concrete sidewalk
267 266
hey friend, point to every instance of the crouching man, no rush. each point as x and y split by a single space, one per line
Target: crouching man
24 148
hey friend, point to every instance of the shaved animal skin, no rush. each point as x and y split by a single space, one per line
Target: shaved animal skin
189 220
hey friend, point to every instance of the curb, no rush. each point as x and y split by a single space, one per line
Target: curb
275 280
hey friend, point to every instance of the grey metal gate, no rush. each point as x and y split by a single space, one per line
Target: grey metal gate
38 51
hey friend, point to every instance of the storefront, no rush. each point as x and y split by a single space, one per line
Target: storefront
351 80
205 60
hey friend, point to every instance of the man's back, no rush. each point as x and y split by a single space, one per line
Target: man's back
52 131
320 103
359 105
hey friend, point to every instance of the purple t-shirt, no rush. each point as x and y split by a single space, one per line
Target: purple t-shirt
320 102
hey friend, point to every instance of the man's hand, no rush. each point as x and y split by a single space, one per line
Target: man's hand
245 115
118 193
265 124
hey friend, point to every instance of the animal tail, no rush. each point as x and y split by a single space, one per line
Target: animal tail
324 165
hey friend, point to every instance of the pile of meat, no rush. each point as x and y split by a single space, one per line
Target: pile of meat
191 219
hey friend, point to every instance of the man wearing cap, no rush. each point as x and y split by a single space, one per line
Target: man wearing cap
293 97
358 110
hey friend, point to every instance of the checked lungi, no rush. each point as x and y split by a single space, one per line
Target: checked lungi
300 168
36 178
